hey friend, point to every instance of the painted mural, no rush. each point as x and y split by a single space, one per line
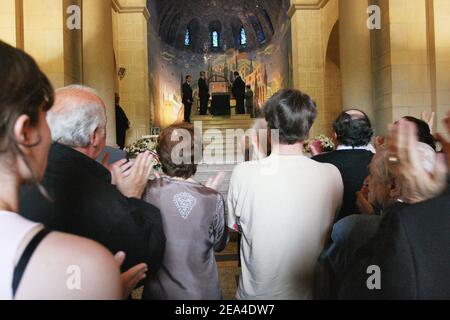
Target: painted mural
266 70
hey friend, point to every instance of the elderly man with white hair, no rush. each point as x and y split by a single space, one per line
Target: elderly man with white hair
82 199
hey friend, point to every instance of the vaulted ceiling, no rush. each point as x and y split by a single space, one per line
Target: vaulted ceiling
260 19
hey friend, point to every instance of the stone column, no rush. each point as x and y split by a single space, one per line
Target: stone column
355 56
44 36
130 21
98 57
441 30
308 62
8 22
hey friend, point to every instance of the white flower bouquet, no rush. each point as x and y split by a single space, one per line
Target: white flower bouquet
322 142
142 145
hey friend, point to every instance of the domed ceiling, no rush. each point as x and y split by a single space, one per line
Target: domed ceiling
259 18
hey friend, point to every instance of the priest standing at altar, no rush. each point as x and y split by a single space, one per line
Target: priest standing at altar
239 93
203 93
187 98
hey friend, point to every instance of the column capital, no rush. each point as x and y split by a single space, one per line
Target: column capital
122 6
306 5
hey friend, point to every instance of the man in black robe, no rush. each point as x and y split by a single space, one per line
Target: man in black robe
203 93
239 93
187 98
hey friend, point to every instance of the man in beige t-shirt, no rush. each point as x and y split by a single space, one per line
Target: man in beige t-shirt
284 206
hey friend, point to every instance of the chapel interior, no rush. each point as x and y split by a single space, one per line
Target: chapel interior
331 49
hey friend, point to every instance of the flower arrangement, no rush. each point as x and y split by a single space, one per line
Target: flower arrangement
142 145
326 144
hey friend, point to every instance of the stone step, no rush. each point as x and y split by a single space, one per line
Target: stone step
219 118
214 136
211 126
204 176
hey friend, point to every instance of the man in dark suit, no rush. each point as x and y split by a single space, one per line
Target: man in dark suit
203 93
122 124
249 101
353 132
84 201
187 98
238 90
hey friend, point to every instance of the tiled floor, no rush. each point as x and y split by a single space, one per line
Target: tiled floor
227 262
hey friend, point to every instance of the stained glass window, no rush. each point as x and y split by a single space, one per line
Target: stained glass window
215 39
187 38
243 37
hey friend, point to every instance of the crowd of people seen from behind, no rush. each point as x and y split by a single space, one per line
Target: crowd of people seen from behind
317 226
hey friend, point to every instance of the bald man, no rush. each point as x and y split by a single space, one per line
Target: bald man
352 134
83 199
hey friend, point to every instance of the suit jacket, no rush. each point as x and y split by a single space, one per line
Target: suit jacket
203 89
238 88
122 122
187 93
85 203
412 249
249 98
354 168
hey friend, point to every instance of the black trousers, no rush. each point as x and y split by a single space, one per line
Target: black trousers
121 137
203 105
187 112
240 105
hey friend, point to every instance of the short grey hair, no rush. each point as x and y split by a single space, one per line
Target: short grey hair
74 121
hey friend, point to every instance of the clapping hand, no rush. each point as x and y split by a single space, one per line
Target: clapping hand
130 278
131 178
316 148
380 142
215 182
445 142
428 117
417 184
362 199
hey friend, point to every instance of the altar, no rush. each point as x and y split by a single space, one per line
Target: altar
220 98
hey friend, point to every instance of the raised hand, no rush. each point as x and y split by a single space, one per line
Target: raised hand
380 142
316 148
132 177
445 142
215 182
117 170
130 278
417 183
428 117
362 201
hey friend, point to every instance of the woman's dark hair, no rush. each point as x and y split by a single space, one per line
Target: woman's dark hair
353 130
24 89
423 131
292 113
167 142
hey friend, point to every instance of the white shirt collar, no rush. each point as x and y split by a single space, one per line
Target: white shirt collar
368 148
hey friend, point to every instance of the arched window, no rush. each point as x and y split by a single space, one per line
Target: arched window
187 38
215 39
243 37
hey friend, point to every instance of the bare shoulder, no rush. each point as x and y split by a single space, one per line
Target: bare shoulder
70 267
